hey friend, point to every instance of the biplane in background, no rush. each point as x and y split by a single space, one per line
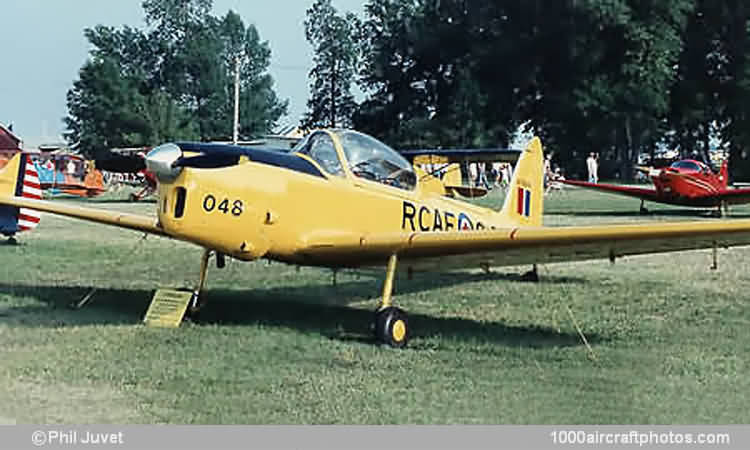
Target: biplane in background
65 173
344 199
129 169
683 183
453 167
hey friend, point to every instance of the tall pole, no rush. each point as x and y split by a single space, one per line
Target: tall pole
236 128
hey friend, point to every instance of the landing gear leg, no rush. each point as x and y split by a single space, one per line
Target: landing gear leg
717 212
715 257
532 275
195 303
391 323
12 240
643 207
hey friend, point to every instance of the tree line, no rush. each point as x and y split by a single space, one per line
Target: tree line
617 77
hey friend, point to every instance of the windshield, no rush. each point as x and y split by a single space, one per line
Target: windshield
370 159
686 165
319 147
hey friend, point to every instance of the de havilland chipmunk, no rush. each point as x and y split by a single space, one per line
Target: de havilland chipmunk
684 183
344 199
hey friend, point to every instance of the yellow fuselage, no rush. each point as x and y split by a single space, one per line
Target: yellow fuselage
254 210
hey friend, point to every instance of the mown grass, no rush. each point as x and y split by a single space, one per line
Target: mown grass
277 345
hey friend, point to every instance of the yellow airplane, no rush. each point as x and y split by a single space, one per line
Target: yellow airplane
344 199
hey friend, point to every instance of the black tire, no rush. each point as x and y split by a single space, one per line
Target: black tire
392 327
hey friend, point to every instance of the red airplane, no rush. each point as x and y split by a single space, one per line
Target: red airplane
684 183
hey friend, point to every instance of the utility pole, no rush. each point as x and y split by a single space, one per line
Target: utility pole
236 128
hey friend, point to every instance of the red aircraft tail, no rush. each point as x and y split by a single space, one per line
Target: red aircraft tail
724 173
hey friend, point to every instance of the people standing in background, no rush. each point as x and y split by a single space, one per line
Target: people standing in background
547 169
507 174
483 181
497 171
596 168
593 168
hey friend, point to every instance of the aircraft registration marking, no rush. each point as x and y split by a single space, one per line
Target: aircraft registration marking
236 208
432 219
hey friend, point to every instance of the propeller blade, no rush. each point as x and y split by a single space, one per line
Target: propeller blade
210 161
121 164
167 160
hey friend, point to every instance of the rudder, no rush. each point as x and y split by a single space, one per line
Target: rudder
524 201
19 178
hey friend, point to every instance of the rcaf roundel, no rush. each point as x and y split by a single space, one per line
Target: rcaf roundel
464 223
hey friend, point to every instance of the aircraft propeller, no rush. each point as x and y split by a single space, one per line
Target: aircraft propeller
167 160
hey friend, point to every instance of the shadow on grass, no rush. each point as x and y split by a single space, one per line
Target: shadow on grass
423 282
282 307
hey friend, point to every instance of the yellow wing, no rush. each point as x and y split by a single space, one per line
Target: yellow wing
12 175
513 246
122 220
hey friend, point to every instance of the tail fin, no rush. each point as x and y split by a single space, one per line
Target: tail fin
452 175
524 202
19 178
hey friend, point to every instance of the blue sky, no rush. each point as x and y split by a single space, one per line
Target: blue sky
43 47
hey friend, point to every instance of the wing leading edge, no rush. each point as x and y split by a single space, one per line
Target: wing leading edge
644 194
123 220
513 246
735 196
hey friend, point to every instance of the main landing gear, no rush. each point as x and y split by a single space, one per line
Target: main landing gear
721 210
643 207
531 276
195 302
391 323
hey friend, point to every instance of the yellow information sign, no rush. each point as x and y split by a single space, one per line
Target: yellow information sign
167 308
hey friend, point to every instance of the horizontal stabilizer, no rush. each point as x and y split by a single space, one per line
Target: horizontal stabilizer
439 156
467 191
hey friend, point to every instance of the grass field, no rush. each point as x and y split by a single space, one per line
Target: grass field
670 338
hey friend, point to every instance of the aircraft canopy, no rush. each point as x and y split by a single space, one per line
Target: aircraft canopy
695 166
365 156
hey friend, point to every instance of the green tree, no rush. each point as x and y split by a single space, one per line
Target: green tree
335 46
587 75
107 108
174 82
434 73
243 49
711 94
